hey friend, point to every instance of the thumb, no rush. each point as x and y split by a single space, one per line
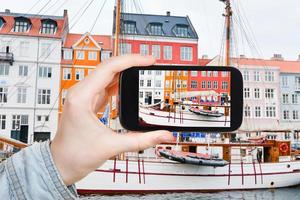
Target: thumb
136 141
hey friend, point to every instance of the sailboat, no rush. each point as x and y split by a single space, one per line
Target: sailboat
164 168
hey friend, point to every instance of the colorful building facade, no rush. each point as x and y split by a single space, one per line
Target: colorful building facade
81 54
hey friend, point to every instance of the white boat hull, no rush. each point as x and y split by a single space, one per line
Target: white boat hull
160 177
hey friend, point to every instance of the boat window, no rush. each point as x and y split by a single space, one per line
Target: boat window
169 148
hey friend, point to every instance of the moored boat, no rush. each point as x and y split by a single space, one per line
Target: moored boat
208 113
193 158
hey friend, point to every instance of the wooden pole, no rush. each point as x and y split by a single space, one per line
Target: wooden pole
117 27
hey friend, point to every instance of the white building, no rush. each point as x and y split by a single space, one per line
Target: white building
151 86
30 56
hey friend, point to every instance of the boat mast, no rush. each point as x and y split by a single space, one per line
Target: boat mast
117 27
227 15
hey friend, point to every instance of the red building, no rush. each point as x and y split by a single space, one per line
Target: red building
216 81
171 39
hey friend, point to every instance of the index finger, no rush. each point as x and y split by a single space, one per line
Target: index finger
105 72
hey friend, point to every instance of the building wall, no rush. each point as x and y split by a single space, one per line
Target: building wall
34 57
263 122
288 87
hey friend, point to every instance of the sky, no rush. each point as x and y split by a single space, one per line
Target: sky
269 26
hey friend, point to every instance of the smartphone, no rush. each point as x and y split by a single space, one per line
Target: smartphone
181 98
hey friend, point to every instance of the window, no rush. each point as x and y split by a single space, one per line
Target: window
68 54
129 27
3 94
144 49
141 94
256 93
141 83
209 73
269 76
24 48
247 112
215 84
45 72
142 72
297 82
4 69
178 83
1 22
294 98
23 70
270 111
194 84
246 75
209 84
79 74
156 51
67 73
125 48
44 96
186 53
257 111
21 96
182 31
167 83
2 122
225 74
92 55
215 74
203 84
21 24
149 72
269 93
194 73
46 118
64 93
45 50
156 29
286 114
148 83
80 55
48 26
158 83
184 84
224 85
285 98
284 81
158 72
295 114
39 118
203 73
246 93
16 121
256 76
167 52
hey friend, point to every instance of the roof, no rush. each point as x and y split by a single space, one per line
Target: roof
168 23
284 65
62 24
104 41
203 61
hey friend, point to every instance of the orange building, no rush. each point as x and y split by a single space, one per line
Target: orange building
175 83
81 53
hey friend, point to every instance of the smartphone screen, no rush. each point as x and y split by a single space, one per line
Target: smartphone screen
184 98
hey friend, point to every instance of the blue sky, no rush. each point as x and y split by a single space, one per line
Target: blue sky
274 24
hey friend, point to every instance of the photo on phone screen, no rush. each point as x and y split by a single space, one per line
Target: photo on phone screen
184 98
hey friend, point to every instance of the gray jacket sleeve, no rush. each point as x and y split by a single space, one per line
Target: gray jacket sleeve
31 174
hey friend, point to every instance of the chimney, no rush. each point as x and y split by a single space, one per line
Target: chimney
204 56
277 57
168 13
242 56
7 11
65 13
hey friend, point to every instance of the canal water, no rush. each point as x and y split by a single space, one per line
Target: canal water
292 193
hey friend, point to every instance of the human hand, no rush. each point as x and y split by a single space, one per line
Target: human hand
82 143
